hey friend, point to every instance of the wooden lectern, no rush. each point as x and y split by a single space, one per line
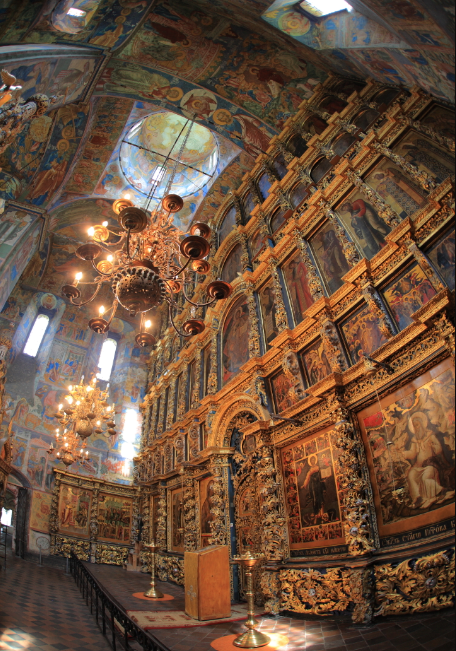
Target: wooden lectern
207 583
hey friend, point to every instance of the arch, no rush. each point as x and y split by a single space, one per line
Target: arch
320 169
264 185
297 145
343 143
232 263
298 194
332 104
279 165
365 118
238 403
278 219
314 125
226 224
248 204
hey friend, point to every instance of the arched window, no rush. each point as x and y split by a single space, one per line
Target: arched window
36 335
106 359
71 16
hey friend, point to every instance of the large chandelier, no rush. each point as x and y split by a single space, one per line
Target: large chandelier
87 412
146 260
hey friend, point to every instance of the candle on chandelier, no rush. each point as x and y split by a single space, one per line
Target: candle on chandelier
147 324
101 310
77 278
91 231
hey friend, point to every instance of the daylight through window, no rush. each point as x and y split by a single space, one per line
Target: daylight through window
36 335
106 360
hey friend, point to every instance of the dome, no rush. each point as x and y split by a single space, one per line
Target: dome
144 152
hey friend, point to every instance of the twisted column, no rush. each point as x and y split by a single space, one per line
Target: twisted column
315 285
349 247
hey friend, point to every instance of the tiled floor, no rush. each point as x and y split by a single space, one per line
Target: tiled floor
42 610
430 632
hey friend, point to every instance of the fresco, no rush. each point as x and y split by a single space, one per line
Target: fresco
330 257
206 491
68 130
233 264
124 79
362 334
23 158
67 78
295 273
228 180
18 260
40 511
74 511
108 124
316 363
283 398
442 255
407 294
268 312
364 224
235 348
13 224
310 469
267 81
411 442
177 520
114 518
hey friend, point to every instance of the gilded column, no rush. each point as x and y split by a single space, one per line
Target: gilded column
384 211
171 400
313 279
152 419
356 493
196 393
423 178
54 515
219 499
134 531
212 382
245 257
274 533
146 516
190 511
349 247
161 519
377 308
254 333
426 266
181 404
332 346
280 311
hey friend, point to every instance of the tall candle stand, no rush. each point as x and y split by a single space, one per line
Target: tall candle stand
252 639
153 592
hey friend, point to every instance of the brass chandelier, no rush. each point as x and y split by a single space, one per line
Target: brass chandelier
87 412
146 260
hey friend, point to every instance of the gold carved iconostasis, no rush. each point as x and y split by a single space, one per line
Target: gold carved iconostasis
313 420
93 519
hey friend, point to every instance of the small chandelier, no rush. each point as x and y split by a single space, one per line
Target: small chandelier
147 259
86 413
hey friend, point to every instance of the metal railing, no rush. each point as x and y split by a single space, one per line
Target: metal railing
118 628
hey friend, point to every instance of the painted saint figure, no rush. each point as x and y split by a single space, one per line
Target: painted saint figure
367 225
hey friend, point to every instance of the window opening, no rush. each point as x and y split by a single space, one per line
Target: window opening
36 335
319 8
106 360
7 517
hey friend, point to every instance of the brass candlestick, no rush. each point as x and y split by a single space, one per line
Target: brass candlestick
252 639
153 592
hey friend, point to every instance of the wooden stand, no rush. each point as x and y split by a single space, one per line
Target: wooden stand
207 583
134 564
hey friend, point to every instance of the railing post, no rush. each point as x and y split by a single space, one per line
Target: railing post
113 631
103 615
